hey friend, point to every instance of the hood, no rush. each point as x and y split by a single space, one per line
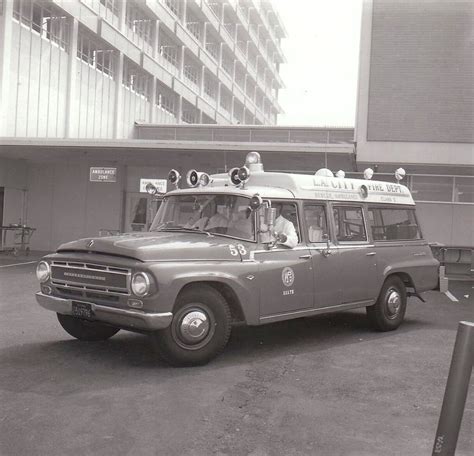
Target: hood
163 246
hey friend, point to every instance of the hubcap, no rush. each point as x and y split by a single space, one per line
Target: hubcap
194 327
394 303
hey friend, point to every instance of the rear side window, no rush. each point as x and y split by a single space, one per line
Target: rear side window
349 224
316 223
393 224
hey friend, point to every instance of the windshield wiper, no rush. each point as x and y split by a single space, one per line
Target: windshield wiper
183 228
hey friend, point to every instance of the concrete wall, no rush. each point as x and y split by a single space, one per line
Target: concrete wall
63 205
449 224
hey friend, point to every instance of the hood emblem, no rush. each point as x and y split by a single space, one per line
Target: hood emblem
91 243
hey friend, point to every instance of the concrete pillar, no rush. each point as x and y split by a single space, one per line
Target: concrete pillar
232 107
181 62
5 60
204 34
71 108
219 88
221 53
118 114
222 19
180 110
184 4
156 40
122 11
153 100
203 74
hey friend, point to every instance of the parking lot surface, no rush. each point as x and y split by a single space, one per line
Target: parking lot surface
325 385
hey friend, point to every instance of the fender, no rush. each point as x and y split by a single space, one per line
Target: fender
233 274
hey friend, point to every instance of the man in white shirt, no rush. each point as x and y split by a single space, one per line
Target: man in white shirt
284 229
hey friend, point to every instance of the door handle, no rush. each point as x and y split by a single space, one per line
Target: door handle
371 254
305 257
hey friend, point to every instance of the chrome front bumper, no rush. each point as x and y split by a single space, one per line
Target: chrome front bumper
119 317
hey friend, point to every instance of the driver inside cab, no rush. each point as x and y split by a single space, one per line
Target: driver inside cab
283 228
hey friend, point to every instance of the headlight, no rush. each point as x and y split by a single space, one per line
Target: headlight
43 271
141 284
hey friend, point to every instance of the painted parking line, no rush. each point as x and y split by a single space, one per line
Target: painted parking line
17 264
451 296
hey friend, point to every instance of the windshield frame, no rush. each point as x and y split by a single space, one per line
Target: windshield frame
211 233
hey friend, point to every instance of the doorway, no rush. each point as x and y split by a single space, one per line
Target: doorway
140 210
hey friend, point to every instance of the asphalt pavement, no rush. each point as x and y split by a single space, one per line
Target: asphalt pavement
325 385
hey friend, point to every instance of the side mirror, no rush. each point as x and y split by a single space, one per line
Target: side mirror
327 251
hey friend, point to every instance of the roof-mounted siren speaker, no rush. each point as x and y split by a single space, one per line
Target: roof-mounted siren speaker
244 174
400 174
192 178
324 172
368 173
234 176
174 177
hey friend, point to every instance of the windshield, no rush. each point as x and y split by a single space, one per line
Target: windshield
228 215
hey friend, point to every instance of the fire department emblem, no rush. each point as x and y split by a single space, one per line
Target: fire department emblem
288 277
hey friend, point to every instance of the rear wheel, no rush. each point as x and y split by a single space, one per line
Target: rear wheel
199 330
389 311
86 330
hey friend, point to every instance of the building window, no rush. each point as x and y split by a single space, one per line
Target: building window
140 27
210 87
432 188
464 189
136 80
173 5
96 54
108 9
169 50
226 100
191 73
49 22
227 64
166 100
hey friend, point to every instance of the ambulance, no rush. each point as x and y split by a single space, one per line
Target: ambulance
245 247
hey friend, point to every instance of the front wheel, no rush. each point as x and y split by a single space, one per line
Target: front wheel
86 330
199 330
389 311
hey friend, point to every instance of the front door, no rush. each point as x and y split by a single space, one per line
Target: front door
285 274
286 280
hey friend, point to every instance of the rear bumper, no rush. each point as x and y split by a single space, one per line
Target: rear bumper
132 319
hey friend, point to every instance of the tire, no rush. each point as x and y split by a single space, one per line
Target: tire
388 312
86 330
199 331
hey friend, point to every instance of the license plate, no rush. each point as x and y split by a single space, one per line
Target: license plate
82 310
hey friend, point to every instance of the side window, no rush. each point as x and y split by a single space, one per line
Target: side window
316 222
349 223
289 212
393 224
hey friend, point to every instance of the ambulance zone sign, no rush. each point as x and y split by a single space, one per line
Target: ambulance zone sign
102 174
160 185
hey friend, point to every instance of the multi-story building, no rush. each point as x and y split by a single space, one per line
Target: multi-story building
416 107
91 68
